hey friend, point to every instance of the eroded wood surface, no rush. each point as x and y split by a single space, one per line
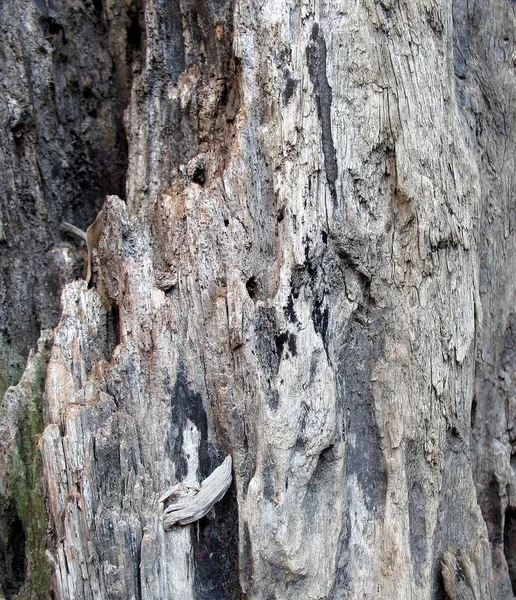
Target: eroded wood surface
308 270
192 507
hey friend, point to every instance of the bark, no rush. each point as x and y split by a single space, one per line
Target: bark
303 261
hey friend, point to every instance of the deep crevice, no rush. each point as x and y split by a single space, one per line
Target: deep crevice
252 287
13 565
98 7
509 545
113 330
316 60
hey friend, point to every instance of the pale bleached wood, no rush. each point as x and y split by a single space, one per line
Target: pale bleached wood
179 490
193 507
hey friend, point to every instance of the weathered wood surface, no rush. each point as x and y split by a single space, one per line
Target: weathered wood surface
310 270
194 506
63 91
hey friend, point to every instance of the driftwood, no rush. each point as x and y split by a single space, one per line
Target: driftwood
192 507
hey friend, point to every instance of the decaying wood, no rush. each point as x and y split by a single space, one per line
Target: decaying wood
194 506
464 578
63 149
180 490
306 266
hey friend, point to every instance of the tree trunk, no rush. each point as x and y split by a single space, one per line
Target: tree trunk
304 261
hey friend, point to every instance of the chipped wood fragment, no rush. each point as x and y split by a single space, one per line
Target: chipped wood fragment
192 507
180 490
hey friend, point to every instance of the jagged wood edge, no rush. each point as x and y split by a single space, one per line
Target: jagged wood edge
192 508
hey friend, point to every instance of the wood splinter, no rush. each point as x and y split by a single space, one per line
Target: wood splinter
194 501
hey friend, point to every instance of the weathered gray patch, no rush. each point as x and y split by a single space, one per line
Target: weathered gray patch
454 517
417 527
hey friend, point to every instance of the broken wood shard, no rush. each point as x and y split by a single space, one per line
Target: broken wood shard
193 507
180 490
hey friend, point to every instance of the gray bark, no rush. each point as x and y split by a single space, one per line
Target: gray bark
304 260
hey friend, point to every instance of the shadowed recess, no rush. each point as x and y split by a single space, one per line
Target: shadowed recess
509 545
12 551
316 59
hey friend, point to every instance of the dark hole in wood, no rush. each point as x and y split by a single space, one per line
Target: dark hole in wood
113 329
473 412
509 544
199 175
169 291
97 4
134 33
252 286
12 553
51 26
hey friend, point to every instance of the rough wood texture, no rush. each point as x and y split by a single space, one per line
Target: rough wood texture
309 270
195 506
464 578
65 80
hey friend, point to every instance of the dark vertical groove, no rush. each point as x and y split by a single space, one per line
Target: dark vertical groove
316 59
509 544
13 564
